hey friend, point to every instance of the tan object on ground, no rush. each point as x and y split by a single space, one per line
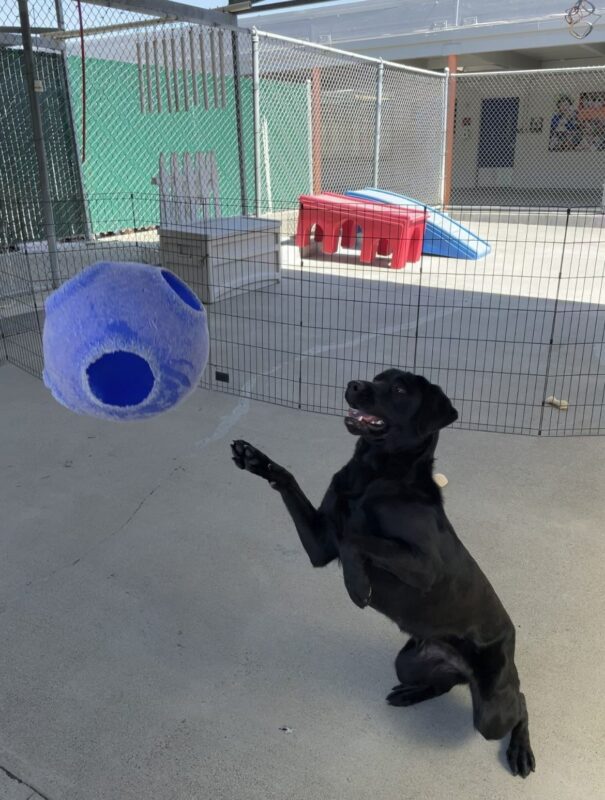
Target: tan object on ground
553 401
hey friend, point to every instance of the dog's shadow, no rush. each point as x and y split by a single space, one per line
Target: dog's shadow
445 721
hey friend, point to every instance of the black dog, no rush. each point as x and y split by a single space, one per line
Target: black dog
383 517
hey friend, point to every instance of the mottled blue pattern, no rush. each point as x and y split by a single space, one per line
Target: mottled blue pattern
112 307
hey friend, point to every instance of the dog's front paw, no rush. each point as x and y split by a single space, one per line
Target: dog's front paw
248 458
520 757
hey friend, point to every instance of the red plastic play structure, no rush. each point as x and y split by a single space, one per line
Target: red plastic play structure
336 219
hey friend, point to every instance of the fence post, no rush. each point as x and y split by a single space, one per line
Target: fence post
34 87
72 124
310 132
237 98
316 123
446 85
256 121
377 122
450 119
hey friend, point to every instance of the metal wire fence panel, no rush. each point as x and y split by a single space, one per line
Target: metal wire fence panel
530 138
412 134
358 121
332 96
288 89
18 173
240 134
21 315
516 339
161 90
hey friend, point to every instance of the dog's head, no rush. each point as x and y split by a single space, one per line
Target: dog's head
397 408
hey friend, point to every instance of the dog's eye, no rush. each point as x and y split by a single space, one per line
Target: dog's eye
399 389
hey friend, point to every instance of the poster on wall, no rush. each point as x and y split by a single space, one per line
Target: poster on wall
578 125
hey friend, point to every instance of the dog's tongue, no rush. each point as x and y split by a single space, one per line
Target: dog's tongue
360 416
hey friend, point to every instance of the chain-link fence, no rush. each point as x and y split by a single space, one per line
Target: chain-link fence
530 138
360 122
193 145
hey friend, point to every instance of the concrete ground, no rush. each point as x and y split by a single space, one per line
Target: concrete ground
163 635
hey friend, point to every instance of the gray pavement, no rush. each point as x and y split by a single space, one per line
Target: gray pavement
160 623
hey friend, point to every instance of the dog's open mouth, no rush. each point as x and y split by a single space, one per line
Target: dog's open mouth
358 421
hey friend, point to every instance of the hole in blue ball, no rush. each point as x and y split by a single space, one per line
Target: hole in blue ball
120 379
181 288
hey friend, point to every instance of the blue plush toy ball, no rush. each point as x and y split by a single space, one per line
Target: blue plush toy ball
123 341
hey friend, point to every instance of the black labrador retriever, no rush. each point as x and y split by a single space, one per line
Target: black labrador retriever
383 518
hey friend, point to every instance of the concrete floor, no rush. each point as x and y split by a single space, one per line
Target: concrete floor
160 623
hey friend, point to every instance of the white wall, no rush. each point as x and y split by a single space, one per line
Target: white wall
535 166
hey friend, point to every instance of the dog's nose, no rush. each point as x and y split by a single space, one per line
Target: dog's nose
355 386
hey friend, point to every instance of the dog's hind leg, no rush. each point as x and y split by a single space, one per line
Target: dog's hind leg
499 713
499 706
425 672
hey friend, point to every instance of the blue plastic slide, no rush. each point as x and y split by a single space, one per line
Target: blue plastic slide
443 236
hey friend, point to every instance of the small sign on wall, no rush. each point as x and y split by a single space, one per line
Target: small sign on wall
536 124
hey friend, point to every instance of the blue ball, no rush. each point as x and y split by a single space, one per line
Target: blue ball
123 341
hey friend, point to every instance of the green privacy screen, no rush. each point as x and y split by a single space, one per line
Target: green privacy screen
123 144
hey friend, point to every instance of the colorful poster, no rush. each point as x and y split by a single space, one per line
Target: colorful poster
591 116
578 126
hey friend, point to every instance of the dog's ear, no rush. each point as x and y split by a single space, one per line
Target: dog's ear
436 410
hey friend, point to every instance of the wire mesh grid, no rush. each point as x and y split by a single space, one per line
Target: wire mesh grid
329 94
530 138
412 134
18 177
161 90
358 120
516 338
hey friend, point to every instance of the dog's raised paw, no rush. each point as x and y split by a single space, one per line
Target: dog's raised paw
247 457
237 454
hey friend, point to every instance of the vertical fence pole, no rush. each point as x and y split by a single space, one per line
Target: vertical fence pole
316 127
140 76
450 106
237 99
256 118
553 328
33 90
72 123
377 122
310 134
30 277
3 350
446 85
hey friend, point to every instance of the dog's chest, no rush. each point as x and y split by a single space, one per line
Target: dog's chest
350 502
